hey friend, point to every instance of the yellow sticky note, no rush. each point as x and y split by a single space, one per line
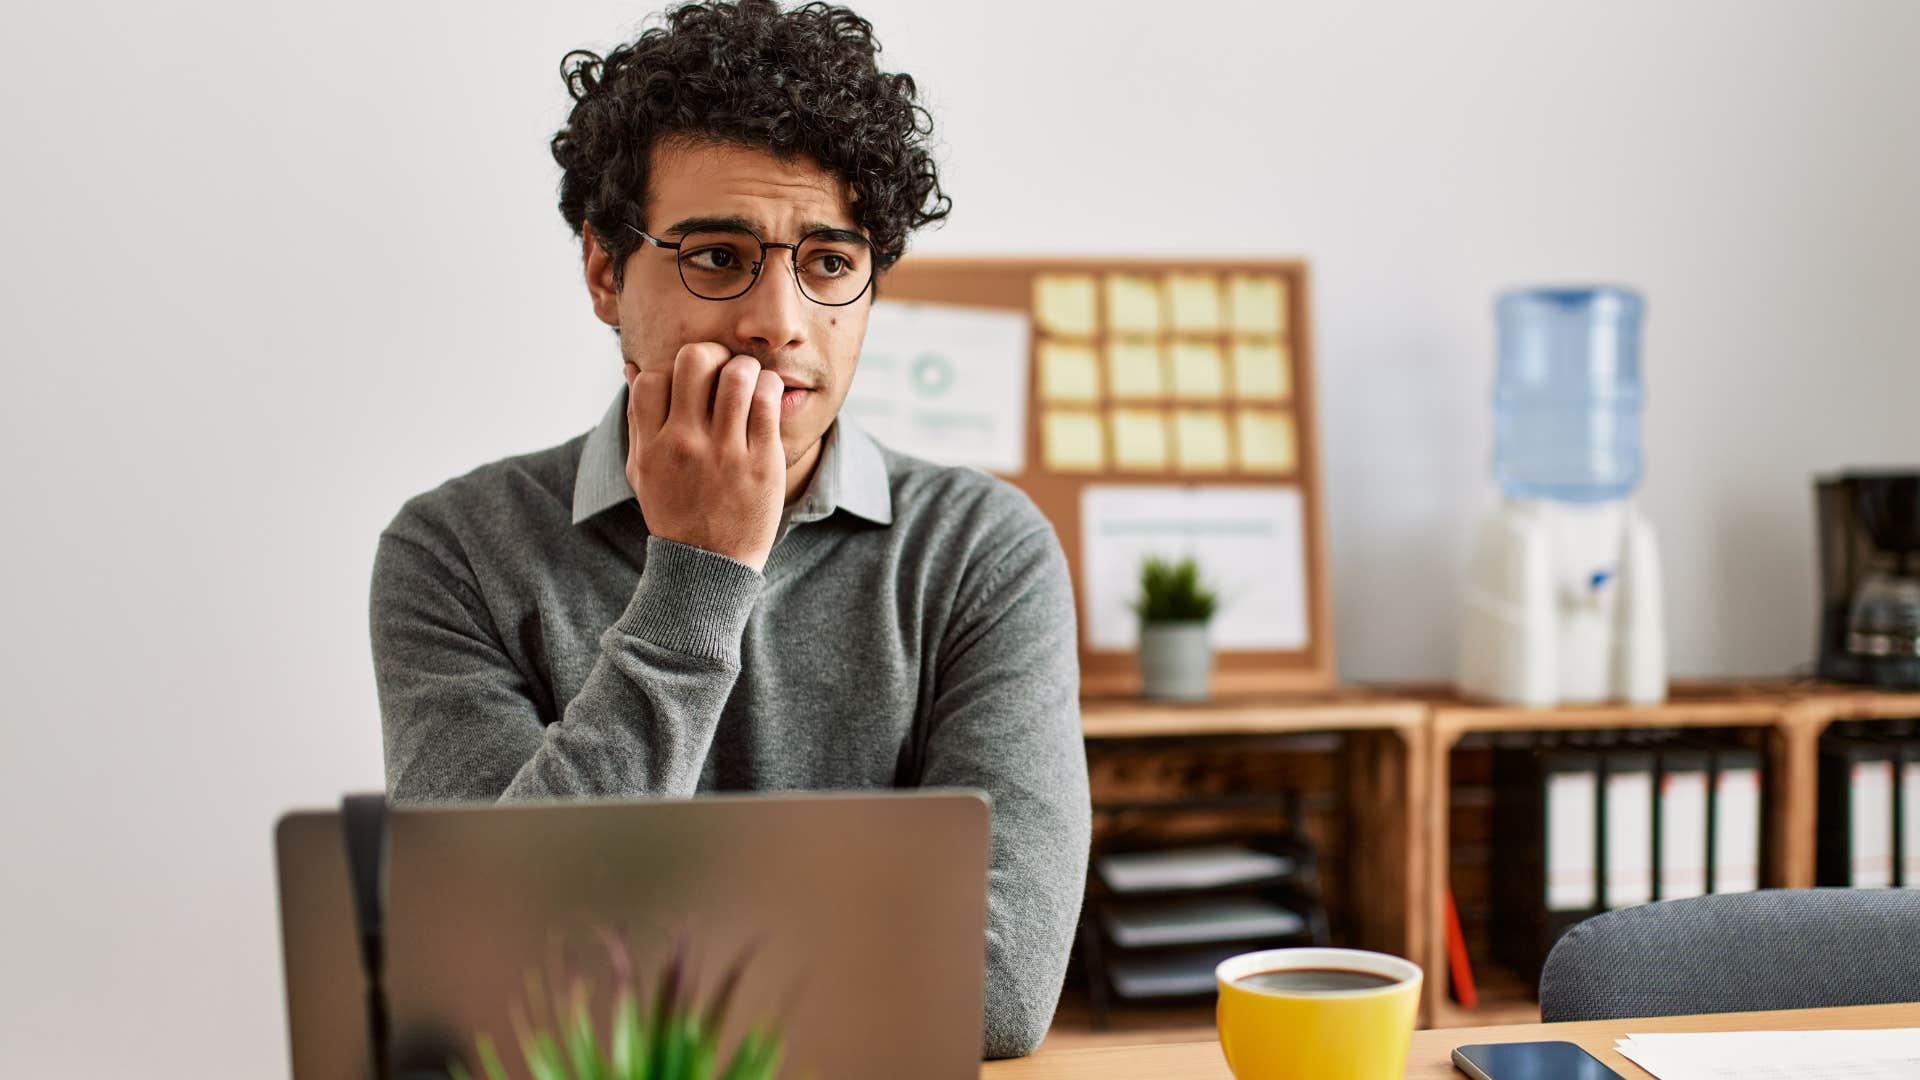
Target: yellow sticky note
1193 302
1134 370
1073 441
1257 303
1065 304
1260 371
1140 439
1198 373
1266 441
1068 372
1200 440
1133 304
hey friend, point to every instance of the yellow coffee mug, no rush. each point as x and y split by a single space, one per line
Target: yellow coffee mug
1297 1034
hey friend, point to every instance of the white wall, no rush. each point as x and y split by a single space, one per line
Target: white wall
263 274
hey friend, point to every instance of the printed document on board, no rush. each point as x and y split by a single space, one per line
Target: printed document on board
946 383
1250 544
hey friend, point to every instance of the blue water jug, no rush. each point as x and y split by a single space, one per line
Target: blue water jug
1566 394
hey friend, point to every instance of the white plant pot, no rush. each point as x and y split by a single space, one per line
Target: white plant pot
1176 660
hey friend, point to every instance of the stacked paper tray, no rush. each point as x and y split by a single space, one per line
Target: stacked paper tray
1168 974
1214 866
1199 920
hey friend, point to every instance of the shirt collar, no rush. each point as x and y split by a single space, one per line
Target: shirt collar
850 475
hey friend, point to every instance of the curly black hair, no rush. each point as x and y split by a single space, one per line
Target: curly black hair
801 82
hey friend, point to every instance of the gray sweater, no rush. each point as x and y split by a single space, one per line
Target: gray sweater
913 626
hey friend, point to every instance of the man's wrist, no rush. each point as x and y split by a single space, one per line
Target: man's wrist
756 563
692 601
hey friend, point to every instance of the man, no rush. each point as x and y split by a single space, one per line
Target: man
726 585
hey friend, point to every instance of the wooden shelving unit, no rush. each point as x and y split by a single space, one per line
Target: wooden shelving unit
1813 708
1503 998
1252 714
1384 741
1382 745
1397 744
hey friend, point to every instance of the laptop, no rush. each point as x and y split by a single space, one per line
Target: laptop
849 927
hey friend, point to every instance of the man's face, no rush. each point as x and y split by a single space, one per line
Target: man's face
812 347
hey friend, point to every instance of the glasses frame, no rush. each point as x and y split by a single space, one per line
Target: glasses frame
753 278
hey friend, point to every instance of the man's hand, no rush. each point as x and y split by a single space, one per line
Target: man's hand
703 451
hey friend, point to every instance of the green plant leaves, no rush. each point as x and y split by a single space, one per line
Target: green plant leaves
628 1044
582 1051
1171 591
677 1038
757 1057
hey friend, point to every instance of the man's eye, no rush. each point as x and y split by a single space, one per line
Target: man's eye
713 259
830 265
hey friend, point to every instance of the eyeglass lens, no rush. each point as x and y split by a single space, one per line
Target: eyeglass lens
719 265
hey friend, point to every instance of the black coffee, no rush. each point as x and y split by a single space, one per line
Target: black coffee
1313 980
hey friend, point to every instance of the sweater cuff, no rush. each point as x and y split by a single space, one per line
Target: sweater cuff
691 601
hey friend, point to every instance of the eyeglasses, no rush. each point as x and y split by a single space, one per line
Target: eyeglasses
832 266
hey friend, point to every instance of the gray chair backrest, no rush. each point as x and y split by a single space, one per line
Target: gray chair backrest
1737 952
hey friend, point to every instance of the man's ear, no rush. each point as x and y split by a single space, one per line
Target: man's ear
599 269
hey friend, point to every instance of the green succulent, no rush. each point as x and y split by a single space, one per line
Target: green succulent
674 1038
1170 591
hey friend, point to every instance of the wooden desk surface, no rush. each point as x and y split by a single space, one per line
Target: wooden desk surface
1431 1055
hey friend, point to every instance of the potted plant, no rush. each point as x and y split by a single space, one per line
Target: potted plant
1176 659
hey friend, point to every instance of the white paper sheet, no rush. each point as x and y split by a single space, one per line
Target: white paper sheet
946 383
1199 919
1886 1054
1165 973
1249 541
1189 868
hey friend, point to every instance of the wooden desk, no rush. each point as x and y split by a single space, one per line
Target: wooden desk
1431 1055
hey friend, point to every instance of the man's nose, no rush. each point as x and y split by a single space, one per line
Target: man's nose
773 313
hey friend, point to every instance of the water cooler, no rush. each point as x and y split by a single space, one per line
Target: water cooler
1563 593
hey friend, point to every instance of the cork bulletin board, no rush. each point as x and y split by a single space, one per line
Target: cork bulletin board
1180 388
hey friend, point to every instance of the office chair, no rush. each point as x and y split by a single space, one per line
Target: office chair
1738 952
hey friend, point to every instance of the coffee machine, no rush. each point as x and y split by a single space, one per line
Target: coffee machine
1869 526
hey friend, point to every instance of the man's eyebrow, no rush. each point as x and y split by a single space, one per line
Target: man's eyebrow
696 224
829 232
809 228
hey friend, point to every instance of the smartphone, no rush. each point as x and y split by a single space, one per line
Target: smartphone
1530 1061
